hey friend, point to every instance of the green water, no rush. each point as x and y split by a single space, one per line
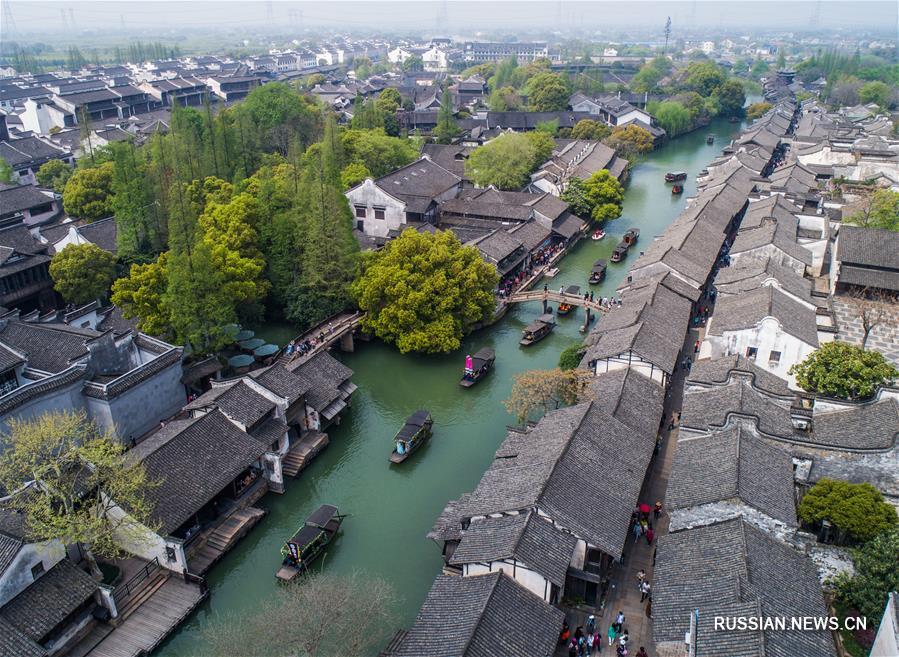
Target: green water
391 508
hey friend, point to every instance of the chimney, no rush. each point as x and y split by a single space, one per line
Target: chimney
801 411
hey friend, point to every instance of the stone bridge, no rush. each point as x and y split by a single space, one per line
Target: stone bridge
336 328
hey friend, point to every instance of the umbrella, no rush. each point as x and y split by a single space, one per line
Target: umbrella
266 350
246 334
253 343
242 360
644 508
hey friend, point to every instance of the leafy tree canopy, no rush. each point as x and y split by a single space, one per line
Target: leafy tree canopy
504 99
82 272
88 193
547 92
536 392
379 153
756 110
570 357
731 98
845 371
6 172
353 174
704 77
590 129
672 116
54 175
140 295
876 575
881 211
505 162
857 511
630 140
424 291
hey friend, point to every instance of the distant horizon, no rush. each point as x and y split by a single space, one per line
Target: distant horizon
35 18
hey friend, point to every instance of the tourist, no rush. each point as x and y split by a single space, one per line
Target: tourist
658 509
649 535
619 621
637 529
579 633
641 577
591 624
642 652
644 591
588 640
572 649
565 634
624 638
612 633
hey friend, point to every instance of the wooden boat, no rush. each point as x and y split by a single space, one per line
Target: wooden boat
734 119
477 366
551 272
413 435
631 236
309 542
565 308
598 234
677 189
710 139
537 330
598 273
620 251
675 176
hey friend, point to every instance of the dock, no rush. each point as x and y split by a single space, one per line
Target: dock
302 452
212 547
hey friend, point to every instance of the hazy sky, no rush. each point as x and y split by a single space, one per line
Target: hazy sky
171 16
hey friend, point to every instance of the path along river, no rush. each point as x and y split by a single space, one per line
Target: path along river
392 508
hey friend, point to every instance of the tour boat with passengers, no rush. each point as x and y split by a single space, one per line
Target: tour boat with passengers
598 234
537 330
477 366
677 189
565 308
598 272
675 176
631 236
309 542
413 435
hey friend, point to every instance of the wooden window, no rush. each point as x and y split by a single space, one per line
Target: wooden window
37 569
379 213
360 211
774 357
751 352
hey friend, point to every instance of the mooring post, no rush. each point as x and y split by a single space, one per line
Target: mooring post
587 318
545 302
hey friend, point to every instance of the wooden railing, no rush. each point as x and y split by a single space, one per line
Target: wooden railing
123 591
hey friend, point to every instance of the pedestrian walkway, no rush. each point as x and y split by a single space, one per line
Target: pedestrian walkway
638 555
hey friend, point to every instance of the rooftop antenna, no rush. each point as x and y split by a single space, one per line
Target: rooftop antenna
667 34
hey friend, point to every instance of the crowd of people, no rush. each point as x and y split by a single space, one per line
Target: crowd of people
298 348
513 282
587 641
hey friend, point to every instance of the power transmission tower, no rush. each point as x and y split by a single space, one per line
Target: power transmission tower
65 21
269 13
816 15
72 18
667 34
8 20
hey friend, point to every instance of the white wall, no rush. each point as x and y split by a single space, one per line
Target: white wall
17 576
368 194
766 337
138 540
636 364
534 582
886 644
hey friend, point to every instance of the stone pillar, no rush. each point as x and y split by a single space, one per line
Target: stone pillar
346 342
106 600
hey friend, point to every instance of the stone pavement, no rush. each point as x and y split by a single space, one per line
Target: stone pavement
883 338
624 594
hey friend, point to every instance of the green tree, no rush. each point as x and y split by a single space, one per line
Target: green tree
857 511
543 144
423 292
82 272
704 77
590 129
88 193
446 129
413 64
876 92
141 296
842 370
81 474
570 357
505 162
881 210
757 110
389 100
138 232
504 76
378 152
274 114
781 59
649 75
353 174
504 99
759 68
6 172
54 175
672 116
604 195
630 140
547 92
876 575
575 195
731 98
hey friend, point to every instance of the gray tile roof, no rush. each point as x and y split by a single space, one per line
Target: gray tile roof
732 568
324 375
781 234
422 179
50 348
499 245
482 616
775 206
269 431
9 548
745 311
194 465
14 643
15 198
282 381
869 277
527 538
9 357
746 275
732 464
48 601
720 371
243 404
874 247
101 233
630 397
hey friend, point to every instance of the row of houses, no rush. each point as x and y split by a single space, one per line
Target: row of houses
552 513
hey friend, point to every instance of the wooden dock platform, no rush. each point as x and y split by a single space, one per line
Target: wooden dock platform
150 620
222 538
302 452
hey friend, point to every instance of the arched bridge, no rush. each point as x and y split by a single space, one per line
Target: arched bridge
559 297
340 327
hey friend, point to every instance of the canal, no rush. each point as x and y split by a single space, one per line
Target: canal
392 508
